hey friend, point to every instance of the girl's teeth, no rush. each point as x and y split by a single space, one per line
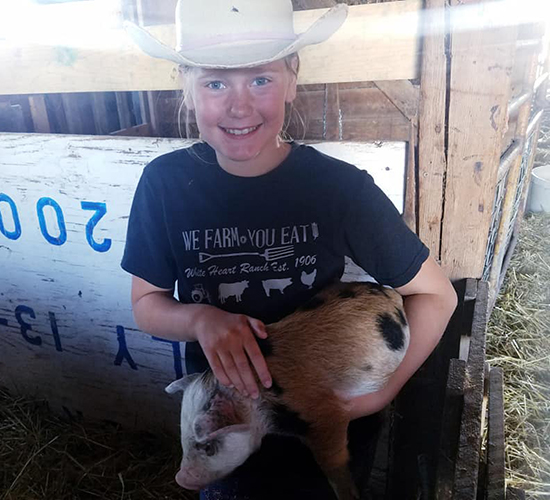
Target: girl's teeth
235 131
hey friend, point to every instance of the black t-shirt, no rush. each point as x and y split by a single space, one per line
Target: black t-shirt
262 245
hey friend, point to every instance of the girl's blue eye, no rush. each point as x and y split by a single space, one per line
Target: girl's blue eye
260 81
215 85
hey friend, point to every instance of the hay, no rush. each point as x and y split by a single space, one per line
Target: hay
519 341
43 456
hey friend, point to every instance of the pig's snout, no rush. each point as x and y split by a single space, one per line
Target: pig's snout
188 480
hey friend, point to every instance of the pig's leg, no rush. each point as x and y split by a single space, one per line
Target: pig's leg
329 444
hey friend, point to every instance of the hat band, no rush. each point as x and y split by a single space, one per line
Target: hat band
240 37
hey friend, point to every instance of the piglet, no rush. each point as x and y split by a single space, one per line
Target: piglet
344 342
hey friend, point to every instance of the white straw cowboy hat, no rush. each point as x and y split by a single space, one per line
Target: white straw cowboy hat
236 33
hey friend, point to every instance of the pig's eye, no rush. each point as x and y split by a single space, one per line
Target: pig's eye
210 447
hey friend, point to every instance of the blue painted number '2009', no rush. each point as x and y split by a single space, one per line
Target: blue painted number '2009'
100 209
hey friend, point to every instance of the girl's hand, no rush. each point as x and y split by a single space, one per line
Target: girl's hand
230 347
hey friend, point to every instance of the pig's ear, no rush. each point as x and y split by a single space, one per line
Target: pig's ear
228 430
221 414
182 383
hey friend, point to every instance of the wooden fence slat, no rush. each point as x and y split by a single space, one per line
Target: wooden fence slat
467 462
431 129
332 113
39 114
495 441
450 428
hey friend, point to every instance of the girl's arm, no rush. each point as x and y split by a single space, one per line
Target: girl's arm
429 300
227 339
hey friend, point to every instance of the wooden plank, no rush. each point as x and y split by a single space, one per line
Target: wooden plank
404 95
467 461
66 327
39 114
78 112
332 114
450 429
125 118
431 147
496 483
410 212
385 34
482 61
11 118
103 117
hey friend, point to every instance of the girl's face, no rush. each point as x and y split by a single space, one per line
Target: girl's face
240 113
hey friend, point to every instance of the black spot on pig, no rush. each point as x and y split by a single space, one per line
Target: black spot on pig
266 347
391 331
288 421
313 303
276 388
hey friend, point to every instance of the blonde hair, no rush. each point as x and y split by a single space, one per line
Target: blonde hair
186 74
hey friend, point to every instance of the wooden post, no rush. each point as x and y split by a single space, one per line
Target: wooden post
467 460
495 440
480 88
405 97
432 163
450 429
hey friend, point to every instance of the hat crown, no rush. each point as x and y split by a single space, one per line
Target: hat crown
197 22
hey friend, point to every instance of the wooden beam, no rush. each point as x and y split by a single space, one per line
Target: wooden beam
39 114
432 162
480 88
367 35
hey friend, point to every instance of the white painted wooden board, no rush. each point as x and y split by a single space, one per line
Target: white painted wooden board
65 311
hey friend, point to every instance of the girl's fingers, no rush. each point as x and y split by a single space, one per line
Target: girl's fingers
243 365
258 362
257 327
232 372
217 368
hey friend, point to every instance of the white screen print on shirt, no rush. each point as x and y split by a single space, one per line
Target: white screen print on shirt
238 257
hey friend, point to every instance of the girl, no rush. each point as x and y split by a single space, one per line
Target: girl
250 227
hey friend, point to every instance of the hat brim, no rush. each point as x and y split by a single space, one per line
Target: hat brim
242 54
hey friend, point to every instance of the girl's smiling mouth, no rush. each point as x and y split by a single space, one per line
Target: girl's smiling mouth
240 132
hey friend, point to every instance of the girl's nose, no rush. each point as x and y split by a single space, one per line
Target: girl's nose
240 104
